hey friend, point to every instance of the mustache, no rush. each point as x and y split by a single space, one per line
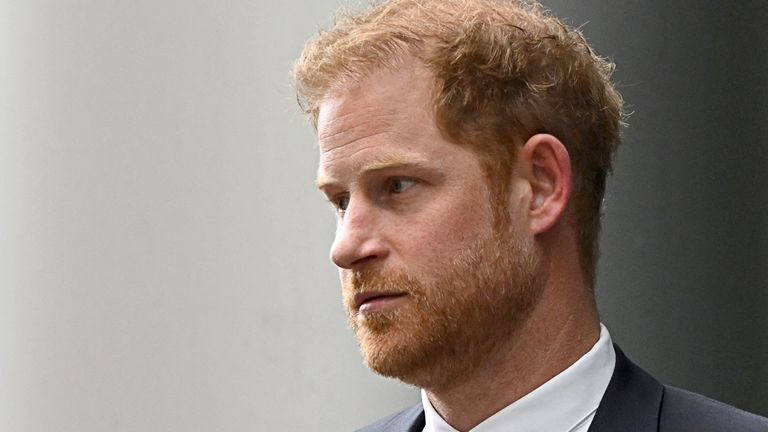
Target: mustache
362 281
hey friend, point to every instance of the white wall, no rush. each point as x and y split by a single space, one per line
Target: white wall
163 252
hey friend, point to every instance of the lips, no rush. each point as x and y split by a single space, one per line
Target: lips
364 298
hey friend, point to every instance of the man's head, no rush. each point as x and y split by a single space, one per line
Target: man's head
502 71
449 131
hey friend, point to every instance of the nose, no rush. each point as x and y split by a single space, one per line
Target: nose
358 241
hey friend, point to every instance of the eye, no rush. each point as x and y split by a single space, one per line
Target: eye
341 203
400 185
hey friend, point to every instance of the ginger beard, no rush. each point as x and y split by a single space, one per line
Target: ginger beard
455 321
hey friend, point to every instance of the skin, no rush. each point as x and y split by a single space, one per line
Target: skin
408 199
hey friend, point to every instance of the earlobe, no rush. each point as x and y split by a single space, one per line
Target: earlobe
545 162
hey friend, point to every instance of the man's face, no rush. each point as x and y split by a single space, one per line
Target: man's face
430 287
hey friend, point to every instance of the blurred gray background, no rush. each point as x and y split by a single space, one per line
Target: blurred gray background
163 253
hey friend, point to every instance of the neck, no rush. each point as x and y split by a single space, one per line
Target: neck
563 327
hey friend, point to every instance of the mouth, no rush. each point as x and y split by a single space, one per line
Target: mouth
372 301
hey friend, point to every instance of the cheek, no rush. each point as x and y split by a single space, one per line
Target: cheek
439 238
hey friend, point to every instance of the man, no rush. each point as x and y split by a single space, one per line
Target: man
465 146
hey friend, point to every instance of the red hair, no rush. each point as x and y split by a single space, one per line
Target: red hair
503 71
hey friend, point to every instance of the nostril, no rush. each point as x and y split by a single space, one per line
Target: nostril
363 261
352 258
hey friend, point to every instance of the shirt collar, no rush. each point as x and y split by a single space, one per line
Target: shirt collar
559 404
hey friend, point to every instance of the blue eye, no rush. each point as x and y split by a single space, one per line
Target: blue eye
342 203
399 185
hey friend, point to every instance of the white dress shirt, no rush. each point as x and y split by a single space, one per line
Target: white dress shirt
565 403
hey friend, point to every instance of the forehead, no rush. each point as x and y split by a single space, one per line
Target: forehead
385 120
395 101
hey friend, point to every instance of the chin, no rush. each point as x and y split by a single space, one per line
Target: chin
393 345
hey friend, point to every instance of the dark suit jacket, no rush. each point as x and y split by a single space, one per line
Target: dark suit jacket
633 402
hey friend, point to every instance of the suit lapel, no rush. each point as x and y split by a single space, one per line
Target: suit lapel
411 420
631 402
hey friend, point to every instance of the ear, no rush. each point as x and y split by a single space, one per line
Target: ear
543 162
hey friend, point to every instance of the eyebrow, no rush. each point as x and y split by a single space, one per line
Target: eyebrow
380 165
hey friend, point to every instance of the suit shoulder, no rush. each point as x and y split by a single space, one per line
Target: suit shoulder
409 419
682 410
